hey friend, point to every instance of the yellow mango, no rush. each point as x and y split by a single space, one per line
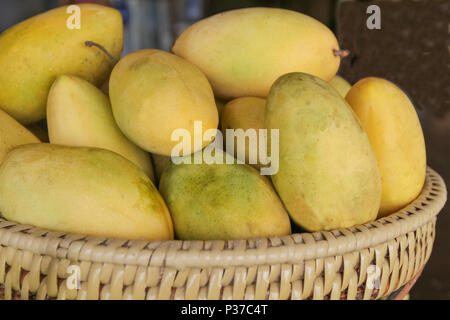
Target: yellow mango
222 201
79 114
34 52
244 113
13 134
341 85
393 127
242 52
88 191
154 93
328 176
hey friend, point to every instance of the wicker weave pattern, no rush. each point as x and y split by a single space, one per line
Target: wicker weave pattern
321 265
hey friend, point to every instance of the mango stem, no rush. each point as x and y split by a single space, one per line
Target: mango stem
94 44
341 53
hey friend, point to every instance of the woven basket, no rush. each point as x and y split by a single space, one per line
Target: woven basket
322 265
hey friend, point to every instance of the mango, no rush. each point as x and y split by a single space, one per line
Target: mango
341 85
328 175
222 201
242 52
154 93
13 134
79 114
34 52
393 127
88 191
244 113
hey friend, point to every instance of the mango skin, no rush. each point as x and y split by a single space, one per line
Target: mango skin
396 137
242 52
88 191
13 134
34 52
341 85
79 114
222 201
244 113
328 176
150 90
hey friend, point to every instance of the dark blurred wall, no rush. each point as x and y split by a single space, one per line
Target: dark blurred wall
13 11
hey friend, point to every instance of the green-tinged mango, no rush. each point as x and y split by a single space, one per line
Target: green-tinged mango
34 52
328 176
88 191
79 114
245 113
341 85
242 52
153 93
13 134
395 133
222 201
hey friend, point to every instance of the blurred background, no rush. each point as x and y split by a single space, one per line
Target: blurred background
157 23
412 49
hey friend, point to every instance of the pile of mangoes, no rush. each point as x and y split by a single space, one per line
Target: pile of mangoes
345 154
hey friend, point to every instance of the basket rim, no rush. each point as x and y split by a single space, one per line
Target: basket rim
230 253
